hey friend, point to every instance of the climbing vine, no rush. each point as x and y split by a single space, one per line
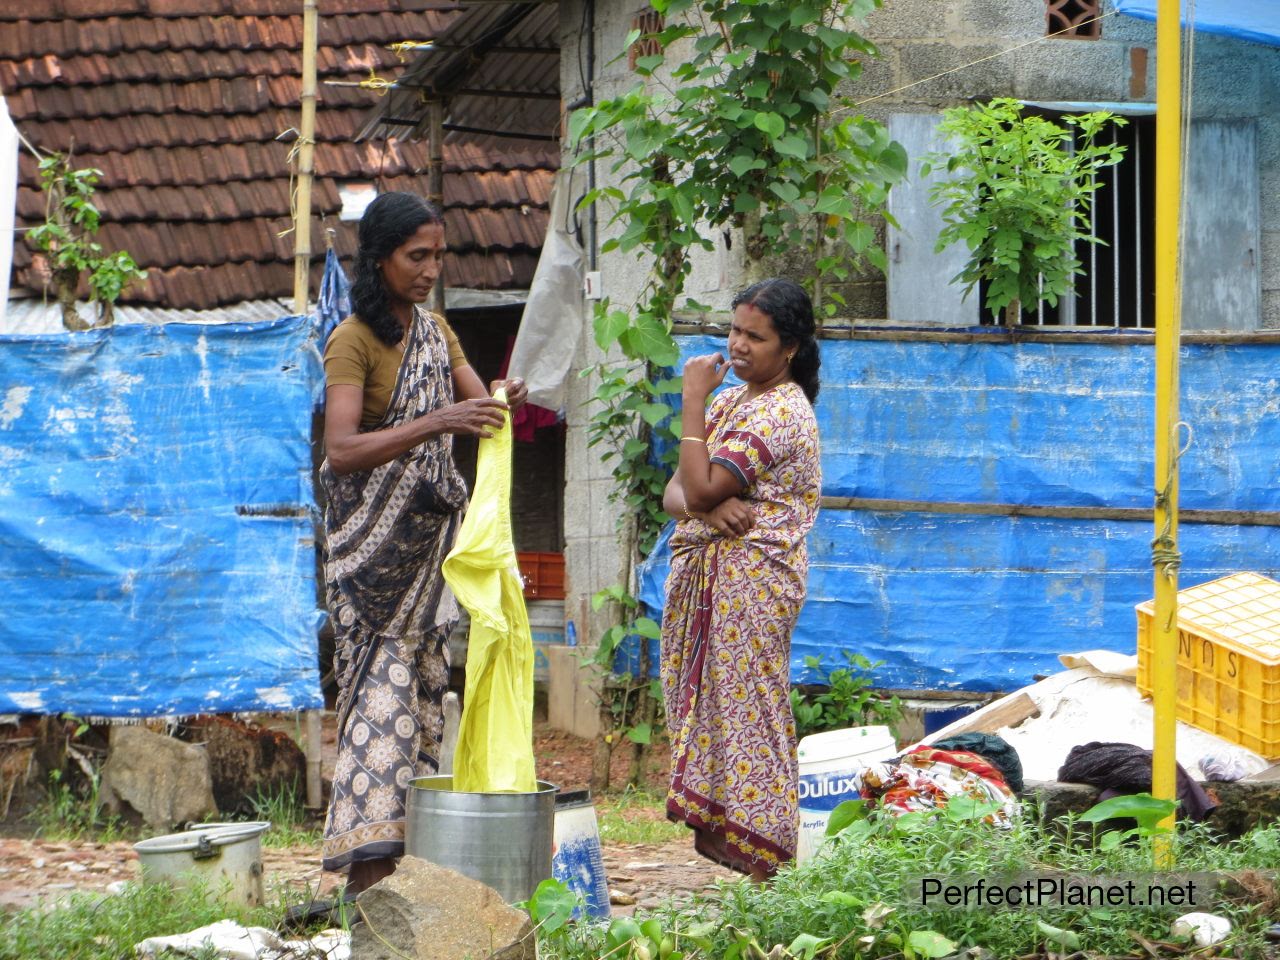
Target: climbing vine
66 236
741 120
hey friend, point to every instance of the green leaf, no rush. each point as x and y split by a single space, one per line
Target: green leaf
646 627
792 146
646 65
840 898
741 164
641 733
845 813
771 124
552 904
654 413
609 327
806 945
650 341
1066 939
1143 807
930 943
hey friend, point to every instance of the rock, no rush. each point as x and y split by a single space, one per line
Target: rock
620 898
165 781
427 912
246 761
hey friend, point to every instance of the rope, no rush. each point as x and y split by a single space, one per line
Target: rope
1165 555
292 161
974 63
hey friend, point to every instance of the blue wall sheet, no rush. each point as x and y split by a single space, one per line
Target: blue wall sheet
156 533
1040 423
984 603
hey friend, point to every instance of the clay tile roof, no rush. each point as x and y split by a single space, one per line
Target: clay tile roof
188 107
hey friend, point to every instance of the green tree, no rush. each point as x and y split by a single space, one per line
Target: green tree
66 237
1018 195
753 129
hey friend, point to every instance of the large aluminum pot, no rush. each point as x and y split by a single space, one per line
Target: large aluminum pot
504 840
225 857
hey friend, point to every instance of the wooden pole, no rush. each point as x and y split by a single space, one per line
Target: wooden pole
306 160
435 190
301 280
1168 304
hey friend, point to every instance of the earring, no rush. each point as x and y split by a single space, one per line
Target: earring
790 357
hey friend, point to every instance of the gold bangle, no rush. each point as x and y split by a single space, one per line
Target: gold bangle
694 439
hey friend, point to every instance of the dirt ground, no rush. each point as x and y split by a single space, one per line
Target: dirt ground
33 870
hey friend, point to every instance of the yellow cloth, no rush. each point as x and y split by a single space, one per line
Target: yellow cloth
495 741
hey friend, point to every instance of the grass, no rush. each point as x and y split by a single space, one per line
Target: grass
292 825
860 899
636 815
104 927
64 814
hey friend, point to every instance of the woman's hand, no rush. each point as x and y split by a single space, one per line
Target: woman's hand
517 392
703 374
731 517
473 418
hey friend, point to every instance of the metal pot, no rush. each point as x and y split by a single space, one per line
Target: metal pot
225 857
504 840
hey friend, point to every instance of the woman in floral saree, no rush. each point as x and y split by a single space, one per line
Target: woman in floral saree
745 494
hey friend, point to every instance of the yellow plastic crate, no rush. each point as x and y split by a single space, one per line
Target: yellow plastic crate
1228 659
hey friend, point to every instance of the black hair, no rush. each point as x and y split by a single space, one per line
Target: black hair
389 221
791 310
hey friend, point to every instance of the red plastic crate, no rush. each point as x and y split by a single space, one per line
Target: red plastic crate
543 575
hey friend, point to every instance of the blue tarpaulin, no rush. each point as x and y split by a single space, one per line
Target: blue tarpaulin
985 602
156 520
1256 20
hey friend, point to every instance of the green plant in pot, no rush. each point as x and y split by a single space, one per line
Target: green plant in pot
1019 191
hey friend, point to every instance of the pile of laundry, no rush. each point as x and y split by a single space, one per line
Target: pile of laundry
928 777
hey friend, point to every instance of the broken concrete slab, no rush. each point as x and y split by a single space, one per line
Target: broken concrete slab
427 912
164 781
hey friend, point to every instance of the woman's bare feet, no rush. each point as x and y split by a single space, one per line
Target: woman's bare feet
363 874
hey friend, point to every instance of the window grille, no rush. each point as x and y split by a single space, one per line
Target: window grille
1073 19
649 23
1117 286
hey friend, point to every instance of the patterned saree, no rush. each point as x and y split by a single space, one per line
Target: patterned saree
388 531
726 636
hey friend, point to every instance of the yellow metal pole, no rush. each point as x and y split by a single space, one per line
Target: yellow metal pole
1168 327
306 160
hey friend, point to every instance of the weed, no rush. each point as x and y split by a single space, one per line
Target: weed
65 814
636 815
862 897
844 698
103 927
291 824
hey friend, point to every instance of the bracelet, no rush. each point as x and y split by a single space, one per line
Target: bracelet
694 439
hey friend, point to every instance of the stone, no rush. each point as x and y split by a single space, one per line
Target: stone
247 761
165 781
620 898
427 912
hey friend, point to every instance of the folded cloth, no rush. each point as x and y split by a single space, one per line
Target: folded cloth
1125 768
996 749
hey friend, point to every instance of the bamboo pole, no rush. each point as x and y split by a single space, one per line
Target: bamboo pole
306 160
1168 306
435 190
301 280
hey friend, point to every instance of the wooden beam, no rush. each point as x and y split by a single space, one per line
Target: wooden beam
1228 518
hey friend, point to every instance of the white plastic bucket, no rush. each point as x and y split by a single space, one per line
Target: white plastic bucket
829 766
